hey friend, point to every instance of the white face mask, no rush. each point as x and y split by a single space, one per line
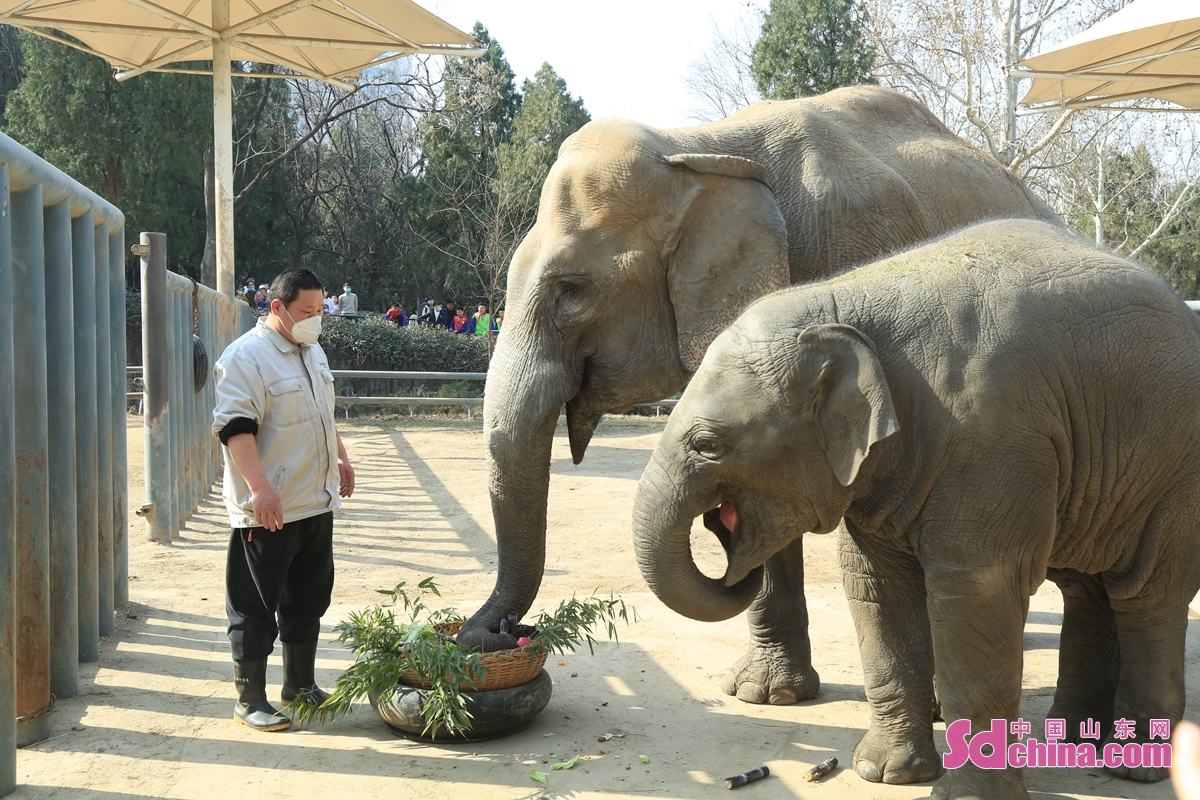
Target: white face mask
307 330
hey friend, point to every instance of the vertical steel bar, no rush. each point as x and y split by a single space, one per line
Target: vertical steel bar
60 408
83 247
172 411
8 503
33 508
177 416
104 437
207 332
180 407
120 461
218 334
157 389
185 333
184 483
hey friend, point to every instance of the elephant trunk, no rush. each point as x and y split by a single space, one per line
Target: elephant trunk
521 407
662 524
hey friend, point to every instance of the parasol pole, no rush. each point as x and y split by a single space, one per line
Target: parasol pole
223 147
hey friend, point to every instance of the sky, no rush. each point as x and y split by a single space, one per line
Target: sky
625 58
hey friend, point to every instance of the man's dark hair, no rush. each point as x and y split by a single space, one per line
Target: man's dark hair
288 285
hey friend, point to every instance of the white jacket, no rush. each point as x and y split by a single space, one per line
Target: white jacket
287 390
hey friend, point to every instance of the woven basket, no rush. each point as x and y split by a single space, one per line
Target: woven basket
503 669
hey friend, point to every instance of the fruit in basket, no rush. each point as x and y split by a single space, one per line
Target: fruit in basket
524 642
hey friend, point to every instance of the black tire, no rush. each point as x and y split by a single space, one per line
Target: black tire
494 714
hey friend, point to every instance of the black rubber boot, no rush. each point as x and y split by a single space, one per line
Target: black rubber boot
252 708
299 677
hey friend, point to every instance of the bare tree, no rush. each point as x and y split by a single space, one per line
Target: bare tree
275 131
720 79
952 56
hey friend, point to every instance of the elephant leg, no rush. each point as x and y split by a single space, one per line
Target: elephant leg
1089 655
977 614
777 667
1151 613
886 591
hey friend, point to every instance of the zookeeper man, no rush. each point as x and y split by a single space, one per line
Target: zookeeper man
285 470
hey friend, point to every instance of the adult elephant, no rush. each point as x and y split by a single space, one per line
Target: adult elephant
648 243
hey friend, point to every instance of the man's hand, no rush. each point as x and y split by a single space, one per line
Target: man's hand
268 511
345 478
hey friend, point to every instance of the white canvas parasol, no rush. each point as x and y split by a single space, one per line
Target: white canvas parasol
1149 49
327 40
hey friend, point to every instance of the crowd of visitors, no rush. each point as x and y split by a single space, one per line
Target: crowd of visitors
431 314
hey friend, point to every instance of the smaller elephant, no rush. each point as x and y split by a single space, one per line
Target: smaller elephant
1001 406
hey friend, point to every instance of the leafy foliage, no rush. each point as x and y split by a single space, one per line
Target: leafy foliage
385 650
1125 193
418 184
378 344
808 47
572 622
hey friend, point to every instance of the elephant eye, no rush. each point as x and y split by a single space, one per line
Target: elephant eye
708 447
572 299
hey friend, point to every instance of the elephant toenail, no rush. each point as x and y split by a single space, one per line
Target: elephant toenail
867 771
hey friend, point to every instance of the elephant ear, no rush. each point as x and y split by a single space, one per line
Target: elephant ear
845 394
729 249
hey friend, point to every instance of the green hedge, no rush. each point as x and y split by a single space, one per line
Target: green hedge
371 343
375 343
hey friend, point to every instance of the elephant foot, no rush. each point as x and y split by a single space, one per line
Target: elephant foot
766 675
1142 773
879 760
971 783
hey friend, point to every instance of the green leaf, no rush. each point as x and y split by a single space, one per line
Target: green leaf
540 777
565 764
645 759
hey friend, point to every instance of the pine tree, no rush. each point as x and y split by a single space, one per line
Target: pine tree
548 115
808 47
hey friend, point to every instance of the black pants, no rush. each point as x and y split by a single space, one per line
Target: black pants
288 572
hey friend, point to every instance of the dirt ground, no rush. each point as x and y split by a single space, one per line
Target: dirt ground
153 717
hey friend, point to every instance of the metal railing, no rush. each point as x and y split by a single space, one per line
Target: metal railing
63 498
346 401
182 457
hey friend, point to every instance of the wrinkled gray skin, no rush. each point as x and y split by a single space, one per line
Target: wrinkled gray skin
648 243
1005 405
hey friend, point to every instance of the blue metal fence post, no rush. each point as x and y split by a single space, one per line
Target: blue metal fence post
157 385
187 466
33 509
178 416
120 462
60 406
104 438
83 230
8 497
214 351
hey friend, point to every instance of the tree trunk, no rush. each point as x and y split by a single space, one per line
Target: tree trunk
112 180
